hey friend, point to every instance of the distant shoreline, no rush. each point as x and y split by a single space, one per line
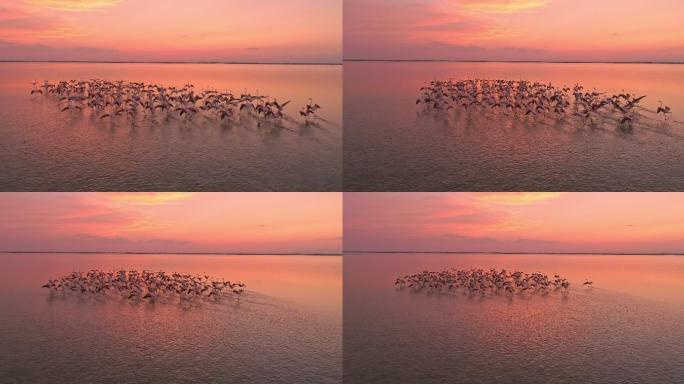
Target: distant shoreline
512 61
343 61
161 62
341 254
173 253
523 253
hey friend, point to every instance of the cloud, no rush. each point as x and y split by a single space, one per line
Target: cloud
64 215
21 23
95 243
115 30
16 22
478 49
406 216
453 26
150 198
437 50
431 31
504 6
171 222
517 198
40 52
125 244
363 241
78 222
74 5
510 30
439 222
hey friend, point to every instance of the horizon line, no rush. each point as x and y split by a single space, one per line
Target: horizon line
529 253
180 253
170 62
352 251
342 62
514 61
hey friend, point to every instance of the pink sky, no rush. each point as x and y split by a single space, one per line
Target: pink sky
528 30
172 222
515 222
171 30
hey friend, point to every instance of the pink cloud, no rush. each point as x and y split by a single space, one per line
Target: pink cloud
172 222
506 30
204 30
514 222
74 5
503 6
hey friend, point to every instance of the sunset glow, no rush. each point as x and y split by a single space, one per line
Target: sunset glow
155 30
514 30
515 222
172 222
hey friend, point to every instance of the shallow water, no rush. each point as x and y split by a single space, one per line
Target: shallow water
44 149
286 328
627 329
392 144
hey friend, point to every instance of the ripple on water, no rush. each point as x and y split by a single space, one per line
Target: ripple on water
391 144
45 149
598 335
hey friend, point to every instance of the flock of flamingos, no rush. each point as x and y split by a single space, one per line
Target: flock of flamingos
112 99
480 281
523 98
144 286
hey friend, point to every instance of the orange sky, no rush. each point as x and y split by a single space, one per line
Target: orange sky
515 222
528 30
172 222
171 30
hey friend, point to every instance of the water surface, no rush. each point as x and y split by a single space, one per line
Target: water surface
392 144
627 329
43 149
285 328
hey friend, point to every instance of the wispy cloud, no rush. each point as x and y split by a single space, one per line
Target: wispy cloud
170 30
504 6
517 198
172 222
150 198
31 51
14 19
74 5
513 30
514 222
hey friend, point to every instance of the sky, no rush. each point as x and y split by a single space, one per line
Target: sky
515 222
302 31
263 223
514 30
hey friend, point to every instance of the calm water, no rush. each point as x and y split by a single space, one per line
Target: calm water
391 145
43 149
286 328
627 329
